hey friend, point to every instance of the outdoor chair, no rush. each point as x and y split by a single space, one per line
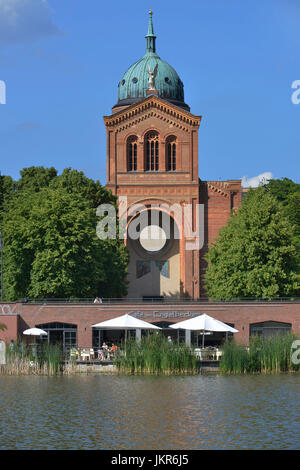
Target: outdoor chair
218 354
92 353
85 354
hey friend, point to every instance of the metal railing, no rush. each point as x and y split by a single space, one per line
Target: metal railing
90 354
155 300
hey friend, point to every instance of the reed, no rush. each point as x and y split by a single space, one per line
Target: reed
154 355
264 355
23 359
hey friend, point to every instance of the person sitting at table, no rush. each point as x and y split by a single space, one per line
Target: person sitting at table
114 348
100 354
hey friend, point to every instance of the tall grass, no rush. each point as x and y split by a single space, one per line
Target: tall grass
154 355
23 359
264 355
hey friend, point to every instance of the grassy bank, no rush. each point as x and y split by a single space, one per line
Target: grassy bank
154 355
264 355
23 359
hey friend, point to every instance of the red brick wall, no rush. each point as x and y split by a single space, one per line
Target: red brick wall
11 331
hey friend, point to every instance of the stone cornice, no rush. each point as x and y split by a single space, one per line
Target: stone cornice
152 106
220 187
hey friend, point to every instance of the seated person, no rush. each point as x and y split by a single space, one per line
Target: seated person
114 348
100 354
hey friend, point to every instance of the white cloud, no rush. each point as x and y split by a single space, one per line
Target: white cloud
25 20
256 181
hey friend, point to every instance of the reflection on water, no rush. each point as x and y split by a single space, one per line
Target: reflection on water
111 412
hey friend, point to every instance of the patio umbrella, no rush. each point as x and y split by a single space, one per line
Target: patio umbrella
35 332
204 323
126 322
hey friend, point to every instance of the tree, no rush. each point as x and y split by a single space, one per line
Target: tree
76 182
281 188
7 189
35 178
254 255
50 243
287 193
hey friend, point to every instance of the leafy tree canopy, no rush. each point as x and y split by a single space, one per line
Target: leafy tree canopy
50 243
287 193
255 254
282 188
7 189
35 178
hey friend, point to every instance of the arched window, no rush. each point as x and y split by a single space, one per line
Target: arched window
151 152
171 153
132 153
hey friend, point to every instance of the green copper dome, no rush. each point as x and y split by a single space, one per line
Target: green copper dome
166 82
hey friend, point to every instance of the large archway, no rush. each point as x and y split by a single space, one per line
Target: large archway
154 270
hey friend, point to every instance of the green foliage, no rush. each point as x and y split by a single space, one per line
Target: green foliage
35 178
49 356
281 189
38 359
77 183
154 355
264 355
287 194
7 188
255 254
50 243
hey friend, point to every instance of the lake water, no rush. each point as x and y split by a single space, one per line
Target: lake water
120 412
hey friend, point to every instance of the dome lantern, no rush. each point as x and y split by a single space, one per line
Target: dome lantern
135 83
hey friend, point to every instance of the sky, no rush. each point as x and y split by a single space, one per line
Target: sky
61 61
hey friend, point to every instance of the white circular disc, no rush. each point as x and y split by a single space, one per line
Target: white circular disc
153 238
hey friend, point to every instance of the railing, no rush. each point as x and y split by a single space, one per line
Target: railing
208 354
155 300
102 355
91 354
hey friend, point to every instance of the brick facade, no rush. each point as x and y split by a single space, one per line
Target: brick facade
162 186
241 315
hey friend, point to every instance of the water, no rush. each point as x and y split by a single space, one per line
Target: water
112 412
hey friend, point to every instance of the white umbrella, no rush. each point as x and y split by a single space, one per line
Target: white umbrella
203 323
126 322
34 332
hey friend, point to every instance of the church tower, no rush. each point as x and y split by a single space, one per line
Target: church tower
152 162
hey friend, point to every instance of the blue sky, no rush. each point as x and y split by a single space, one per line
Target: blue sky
61 61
